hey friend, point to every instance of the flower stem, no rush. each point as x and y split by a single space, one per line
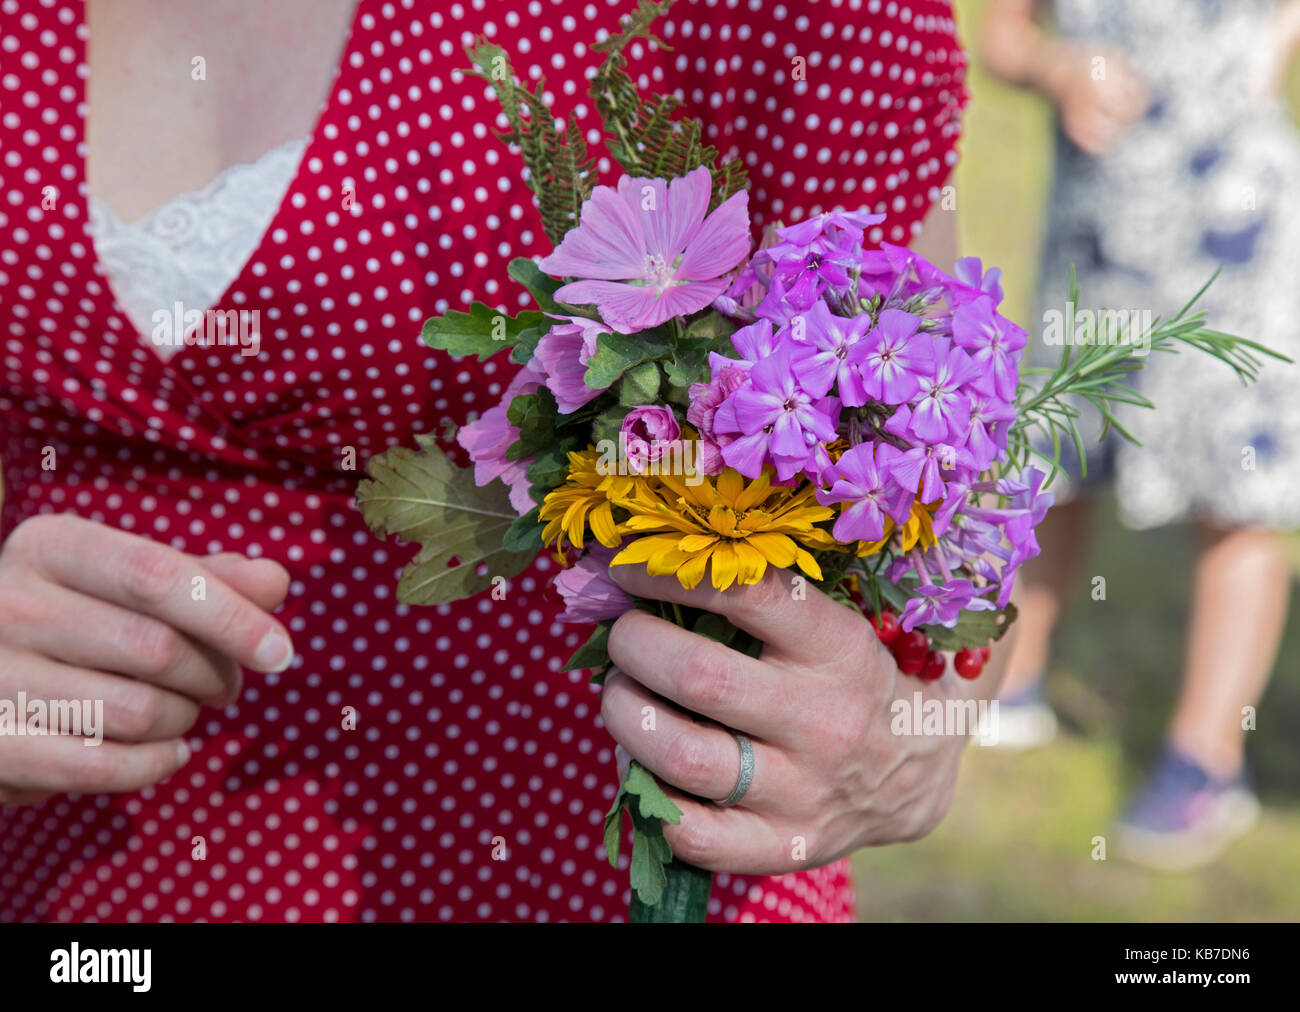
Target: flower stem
685 899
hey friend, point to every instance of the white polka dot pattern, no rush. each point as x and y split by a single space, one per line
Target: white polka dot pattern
404 205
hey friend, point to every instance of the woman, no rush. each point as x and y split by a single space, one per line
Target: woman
375 762
1176 158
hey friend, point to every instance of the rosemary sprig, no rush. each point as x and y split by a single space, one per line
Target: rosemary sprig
1095 374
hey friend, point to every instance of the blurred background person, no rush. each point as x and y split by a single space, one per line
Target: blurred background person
1174 155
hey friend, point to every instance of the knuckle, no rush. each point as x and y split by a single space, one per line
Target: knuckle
711 680
758 600
90 769
16 609
138 711
149 573
156 646
688 762
231 622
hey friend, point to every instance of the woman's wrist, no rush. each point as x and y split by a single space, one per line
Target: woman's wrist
1051 66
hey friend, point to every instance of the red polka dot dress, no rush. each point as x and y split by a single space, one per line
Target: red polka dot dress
467 734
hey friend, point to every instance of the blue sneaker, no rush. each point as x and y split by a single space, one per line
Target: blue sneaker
1184 818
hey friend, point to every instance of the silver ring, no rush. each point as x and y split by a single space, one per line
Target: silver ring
746 771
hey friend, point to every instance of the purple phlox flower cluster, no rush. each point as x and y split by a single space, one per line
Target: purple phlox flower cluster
979 549
911 367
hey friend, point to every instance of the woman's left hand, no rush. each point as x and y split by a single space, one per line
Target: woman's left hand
830 775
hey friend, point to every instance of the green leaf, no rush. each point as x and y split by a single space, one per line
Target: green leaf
594 653
483 331
652 801
560 171
542 287
421 496
525 534
973 629
552 464
712 326
688 364
713 626
614 830
616 354
608 424
536 416
640 385
526 344
650 852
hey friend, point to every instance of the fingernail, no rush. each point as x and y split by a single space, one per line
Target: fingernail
616 574
624 760
274 654
182 753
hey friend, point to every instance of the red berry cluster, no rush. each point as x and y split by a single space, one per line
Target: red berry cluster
915 656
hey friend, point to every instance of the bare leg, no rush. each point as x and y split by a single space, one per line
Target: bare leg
1044 587
1239 606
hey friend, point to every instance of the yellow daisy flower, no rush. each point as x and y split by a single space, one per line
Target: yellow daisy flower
740 525
584 500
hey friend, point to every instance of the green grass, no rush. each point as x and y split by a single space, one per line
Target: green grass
1018 842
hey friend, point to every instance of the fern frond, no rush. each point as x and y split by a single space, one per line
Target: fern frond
641 133
560 172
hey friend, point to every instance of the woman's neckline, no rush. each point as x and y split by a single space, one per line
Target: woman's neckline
313 141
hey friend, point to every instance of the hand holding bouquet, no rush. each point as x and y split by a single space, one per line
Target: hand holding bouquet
849 414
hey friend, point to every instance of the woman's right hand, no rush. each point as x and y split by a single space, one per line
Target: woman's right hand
88 612
1098 95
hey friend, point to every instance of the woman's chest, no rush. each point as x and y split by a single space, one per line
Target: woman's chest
404 206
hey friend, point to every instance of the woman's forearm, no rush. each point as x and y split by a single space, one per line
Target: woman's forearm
1017 50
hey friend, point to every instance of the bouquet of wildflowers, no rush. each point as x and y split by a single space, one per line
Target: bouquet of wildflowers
849 413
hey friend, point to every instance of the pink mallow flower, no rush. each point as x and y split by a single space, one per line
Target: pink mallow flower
648 433
562 356
487 439
650 251
589 594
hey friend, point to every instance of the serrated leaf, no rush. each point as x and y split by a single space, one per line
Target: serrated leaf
552 464
652 802
973 629
526 344
541 286
595 652
712 325
421 496
607 425
483 331
650 852
614 831
617 353
640 385
536 416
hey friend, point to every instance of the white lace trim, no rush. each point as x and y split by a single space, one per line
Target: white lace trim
192 248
